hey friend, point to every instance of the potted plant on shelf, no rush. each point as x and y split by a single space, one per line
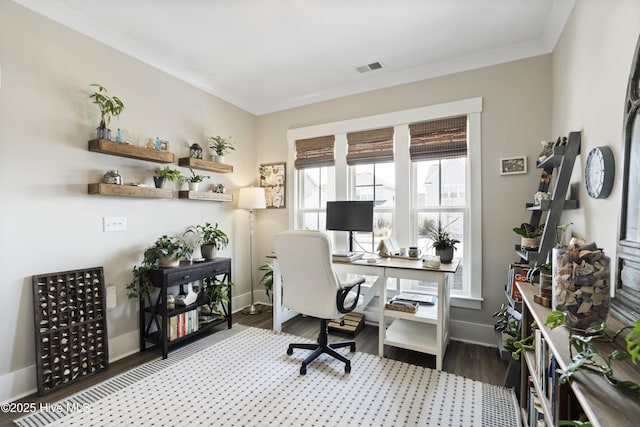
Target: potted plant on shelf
110 106
530 235
165 252
210 238
441 238
194 180
220 147
162 175
216 293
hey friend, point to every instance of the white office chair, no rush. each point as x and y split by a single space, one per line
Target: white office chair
311 287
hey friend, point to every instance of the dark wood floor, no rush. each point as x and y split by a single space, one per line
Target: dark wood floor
468 360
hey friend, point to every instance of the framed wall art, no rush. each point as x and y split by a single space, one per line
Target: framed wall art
513 165
272 179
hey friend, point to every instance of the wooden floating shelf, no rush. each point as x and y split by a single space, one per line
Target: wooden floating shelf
545 205
130 191
205 165
131 151
205 195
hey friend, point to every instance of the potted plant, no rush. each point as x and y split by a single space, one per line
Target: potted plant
110 106
530 235
162 175
210 237
216 293
194 180
220 147
441 238
267 278
165 252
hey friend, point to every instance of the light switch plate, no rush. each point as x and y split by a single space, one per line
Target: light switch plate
114 223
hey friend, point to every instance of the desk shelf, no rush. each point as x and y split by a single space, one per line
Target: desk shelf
412 335
425 314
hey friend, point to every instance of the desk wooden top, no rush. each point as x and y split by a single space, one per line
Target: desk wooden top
410 264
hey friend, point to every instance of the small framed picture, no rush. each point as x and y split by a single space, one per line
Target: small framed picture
272 179
164 145
513 165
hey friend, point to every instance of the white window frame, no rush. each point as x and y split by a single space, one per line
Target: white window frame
403 230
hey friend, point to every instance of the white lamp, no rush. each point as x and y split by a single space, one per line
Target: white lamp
251 198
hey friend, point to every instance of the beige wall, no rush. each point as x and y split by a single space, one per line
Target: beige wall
516 116
48 222
591 65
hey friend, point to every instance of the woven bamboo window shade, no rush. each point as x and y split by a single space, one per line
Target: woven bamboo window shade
439 139
315 152
370 146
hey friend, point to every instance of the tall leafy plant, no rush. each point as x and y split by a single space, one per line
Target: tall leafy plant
110 106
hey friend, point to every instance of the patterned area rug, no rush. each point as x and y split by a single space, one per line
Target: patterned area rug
243 377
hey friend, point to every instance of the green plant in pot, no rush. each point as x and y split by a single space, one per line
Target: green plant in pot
110 106
530 235
442 240
194 180
267 278
165 252
220 146
210 238
162 175
217 295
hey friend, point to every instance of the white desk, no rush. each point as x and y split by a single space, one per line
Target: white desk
426 331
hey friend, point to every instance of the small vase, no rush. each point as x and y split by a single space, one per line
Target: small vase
159 181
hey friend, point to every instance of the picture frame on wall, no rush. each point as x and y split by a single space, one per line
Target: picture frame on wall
513 165
273 180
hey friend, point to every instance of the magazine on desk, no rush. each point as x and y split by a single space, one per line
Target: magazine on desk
421 298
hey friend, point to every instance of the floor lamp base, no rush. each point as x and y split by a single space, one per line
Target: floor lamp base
252 309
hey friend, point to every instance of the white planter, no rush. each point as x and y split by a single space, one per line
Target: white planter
193 186
208 251
220 159
168 261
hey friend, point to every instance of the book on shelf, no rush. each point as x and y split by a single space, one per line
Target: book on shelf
182 324
517 273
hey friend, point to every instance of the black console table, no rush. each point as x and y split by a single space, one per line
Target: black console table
156 319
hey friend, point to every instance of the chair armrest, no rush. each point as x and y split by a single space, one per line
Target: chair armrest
347 286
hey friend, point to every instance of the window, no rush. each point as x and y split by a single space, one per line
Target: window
413 176
375 182
438 151
315 188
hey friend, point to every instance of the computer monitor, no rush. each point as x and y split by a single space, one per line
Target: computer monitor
351 215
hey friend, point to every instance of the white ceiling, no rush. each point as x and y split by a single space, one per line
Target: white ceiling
270 55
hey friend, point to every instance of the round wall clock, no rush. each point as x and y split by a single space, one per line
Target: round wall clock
599 172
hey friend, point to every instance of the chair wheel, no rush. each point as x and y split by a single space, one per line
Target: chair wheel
347 368
289 351
303 370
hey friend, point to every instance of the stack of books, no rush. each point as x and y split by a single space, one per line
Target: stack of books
346 256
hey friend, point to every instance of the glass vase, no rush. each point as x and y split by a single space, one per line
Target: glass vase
581 286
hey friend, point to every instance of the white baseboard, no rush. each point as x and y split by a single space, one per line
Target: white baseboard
472 333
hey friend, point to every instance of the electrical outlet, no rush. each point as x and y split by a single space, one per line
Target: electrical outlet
114 223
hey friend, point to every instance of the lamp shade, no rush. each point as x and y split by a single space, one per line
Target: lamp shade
252 198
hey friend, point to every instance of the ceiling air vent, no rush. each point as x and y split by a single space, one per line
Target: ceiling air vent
369 67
